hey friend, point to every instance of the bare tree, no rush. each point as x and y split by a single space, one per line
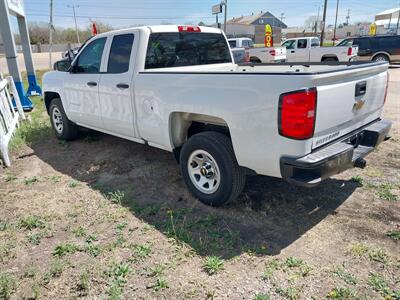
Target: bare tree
310 22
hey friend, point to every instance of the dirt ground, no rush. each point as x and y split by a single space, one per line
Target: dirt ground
106 218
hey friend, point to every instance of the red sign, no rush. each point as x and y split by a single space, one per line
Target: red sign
94 29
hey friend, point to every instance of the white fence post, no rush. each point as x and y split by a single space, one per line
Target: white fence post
9 118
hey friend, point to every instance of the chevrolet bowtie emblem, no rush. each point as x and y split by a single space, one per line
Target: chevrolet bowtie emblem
359 104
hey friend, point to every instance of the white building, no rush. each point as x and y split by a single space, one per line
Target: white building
389 18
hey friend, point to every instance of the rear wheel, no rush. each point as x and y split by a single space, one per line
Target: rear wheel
210 170
381 58
329 59
63 128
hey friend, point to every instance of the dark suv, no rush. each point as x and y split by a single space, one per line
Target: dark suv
376 48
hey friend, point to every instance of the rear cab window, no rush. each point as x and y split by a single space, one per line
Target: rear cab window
181 49
232 44
302 44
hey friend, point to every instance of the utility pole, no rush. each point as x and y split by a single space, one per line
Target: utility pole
51 35
226 14
348 17
334 31
282 17
323 23
317 22
76 25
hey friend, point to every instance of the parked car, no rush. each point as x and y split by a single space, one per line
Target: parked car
307 49
259 55
376 48
71 52
177 88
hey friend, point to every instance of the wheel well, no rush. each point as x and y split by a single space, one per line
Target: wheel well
330 57
382 54
48 96
184 125
255 59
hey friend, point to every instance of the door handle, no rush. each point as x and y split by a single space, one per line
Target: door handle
123 86
92 83
292 51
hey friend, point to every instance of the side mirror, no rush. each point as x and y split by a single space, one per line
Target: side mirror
62 65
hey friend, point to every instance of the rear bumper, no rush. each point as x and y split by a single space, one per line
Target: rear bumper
310 170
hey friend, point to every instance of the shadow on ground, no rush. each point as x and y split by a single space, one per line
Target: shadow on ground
268 216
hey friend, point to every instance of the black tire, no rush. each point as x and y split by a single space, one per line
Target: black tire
255 60
329 59
381 57
232 176
69 129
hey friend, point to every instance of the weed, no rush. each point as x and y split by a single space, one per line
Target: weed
84 284
79 232
357 179
262 297
116 197
73 184
56 268
213 264
342 294
35 238
7 285
157 270
379 284
91 238
4 225
293 262
141 251
10 177
378 255
345 276
64 249
93 250
385 192
121 226
289 293
160 284
270 267
393 234
54 178
30 271
358 249
31 180
118 276
32 222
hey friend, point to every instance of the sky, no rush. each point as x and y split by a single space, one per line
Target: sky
125 13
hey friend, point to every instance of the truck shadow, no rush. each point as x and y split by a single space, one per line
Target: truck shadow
269 215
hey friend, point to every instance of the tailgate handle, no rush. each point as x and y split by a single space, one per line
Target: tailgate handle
361 88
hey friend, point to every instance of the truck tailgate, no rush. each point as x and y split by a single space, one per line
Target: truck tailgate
347 101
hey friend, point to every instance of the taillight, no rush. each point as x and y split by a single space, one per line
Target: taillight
297 113
350 51
272 52
387 88
189 29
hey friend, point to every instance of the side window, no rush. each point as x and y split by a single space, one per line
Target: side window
302 44
89 60
314 42
251 44
363 43
289 44
346 43
120 53
232 44
245 43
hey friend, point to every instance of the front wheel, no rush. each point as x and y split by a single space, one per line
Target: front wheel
210 170
63 128
381 58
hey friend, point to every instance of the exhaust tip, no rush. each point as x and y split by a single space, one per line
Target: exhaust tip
360 163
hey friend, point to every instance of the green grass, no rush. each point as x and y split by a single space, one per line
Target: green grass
56 268
289 293
117 275
385 192
7 285
10 177
270 267
394 235
83 286
141 252
72 184
379 284
160 284
79 232
116 197
378 255
213 265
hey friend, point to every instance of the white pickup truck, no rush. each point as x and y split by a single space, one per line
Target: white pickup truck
259 55
307 49
176 88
